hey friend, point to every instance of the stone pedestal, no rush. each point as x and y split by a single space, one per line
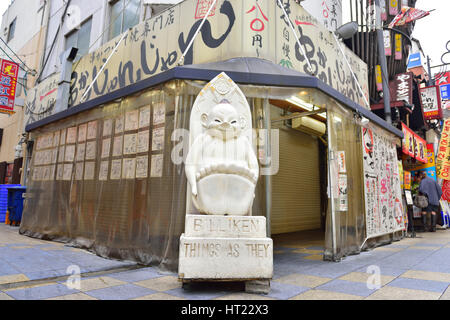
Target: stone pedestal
225 248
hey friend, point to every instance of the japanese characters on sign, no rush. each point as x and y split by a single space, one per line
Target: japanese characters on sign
382 183
254 28
8 82
328 12
443 155
431 102
401 88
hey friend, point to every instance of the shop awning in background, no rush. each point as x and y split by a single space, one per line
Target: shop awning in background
252 71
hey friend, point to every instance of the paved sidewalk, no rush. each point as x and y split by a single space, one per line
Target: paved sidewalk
414 268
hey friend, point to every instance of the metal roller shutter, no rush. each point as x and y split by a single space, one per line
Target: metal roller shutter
296 187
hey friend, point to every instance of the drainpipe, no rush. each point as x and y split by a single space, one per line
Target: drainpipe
383 64
62 100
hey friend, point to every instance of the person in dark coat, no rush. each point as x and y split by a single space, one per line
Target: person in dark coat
429 187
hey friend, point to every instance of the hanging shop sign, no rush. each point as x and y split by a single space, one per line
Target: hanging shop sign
393 7
400 173
401 88
387 43
398 47
408 141
379 78
383 10
431 102
407 180
382 186
8 83
237 29
443 155
420 149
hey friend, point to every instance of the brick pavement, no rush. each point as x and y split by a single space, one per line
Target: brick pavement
414 268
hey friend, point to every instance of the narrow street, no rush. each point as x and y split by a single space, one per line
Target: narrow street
414 268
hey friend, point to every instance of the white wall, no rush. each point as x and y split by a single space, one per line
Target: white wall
80 11
28 22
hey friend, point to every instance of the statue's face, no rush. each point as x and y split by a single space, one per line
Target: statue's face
223 120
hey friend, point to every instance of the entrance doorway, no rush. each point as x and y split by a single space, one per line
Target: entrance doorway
298 200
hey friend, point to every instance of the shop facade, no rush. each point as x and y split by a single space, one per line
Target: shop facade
107 174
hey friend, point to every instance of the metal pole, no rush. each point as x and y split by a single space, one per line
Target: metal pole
383 64
431 81
330 190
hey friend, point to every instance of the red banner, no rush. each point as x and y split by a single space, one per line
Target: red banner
8 82
446 190
407 15
408 141
420 149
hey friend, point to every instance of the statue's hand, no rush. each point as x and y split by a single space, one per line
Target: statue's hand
194 191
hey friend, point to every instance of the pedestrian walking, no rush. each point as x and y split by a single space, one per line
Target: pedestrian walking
429 187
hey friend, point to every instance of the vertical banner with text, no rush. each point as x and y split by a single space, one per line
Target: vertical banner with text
8 82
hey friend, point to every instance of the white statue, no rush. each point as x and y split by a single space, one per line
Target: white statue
221 166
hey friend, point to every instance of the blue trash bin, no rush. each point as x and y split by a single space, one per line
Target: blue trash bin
4 200
15 204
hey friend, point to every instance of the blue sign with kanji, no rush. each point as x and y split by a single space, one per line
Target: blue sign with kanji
445 92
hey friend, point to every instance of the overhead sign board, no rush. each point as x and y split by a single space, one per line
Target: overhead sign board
415 60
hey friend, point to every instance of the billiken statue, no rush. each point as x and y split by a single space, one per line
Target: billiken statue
221 166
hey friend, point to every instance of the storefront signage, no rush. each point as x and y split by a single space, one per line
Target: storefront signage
237 29
431 102
8 82
40 101
401 88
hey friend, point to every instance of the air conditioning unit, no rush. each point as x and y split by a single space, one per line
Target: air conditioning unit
310 126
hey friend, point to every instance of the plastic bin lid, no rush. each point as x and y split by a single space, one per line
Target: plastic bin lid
17 188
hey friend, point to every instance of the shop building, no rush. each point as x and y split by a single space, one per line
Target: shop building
107 173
